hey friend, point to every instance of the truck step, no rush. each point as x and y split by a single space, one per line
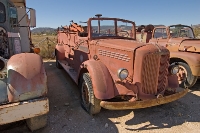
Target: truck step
70 70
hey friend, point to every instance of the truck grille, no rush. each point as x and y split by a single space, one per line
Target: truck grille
154 73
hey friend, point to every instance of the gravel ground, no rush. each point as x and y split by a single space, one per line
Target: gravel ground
66 114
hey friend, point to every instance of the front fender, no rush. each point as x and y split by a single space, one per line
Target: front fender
26 77
102 82
192 59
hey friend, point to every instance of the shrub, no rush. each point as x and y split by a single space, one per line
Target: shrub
46 43
197 31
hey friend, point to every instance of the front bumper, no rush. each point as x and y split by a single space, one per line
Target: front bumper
23 110
142 104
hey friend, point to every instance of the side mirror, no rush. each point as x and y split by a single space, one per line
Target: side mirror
32 18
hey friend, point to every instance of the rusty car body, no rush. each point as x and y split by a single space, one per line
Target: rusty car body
183 46
112 69
23 80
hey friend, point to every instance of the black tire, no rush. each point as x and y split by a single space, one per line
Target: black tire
190 79
88 100
37 122
57 63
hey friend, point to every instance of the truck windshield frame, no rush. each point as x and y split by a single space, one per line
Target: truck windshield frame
2 13
13 15
181 31
111 28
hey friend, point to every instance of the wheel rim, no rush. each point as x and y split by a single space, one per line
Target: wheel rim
182 74
84 94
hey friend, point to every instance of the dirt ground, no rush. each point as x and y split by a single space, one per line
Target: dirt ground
66 114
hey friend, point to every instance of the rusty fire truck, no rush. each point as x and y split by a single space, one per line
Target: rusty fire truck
23 81
112 69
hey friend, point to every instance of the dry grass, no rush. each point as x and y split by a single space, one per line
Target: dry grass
46 47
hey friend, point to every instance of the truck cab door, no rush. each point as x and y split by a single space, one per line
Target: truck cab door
81 52
160 36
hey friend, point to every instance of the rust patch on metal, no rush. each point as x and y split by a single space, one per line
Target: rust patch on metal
23 110
27 79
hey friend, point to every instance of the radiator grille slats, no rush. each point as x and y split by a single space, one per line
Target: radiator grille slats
154 73
150 73
163 71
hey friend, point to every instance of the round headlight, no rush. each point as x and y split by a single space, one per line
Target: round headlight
122 73
174 69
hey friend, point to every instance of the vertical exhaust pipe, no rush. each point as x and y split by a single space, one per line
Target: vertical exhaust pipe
98 16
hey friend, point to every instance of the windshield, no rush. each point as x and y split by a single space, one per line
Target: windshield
13 15
108 29
2 13
181 31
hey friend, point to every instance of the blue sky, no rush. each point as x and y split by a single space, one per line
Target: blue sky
54 13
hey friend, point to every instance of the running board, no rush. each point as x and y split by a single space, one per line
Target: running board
70 70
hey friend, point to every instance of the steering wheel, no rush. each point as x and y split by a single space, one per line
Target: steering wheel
126 33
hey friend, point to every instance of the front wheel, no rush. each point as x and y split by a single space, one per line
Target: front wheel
186 79
88 100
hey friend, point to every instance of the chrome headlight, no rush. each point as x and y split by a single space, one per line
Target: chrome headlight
122 73
173 69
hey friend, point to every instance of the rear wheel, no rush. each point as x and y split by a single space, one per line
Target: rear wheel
186 79
88 100
57 62
37 122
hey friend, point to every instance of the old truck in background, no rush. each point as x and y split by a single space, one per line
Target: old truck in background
23 80
183 46
112 69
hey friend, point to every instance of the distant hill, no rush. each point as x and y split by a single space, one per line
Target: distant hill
49 30
43 30
196 26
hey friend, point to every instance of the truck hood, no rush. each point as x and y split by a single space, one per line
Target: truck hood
128 45
191 45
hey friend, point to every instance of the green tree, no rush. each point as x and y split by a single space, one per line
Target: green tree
196 31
